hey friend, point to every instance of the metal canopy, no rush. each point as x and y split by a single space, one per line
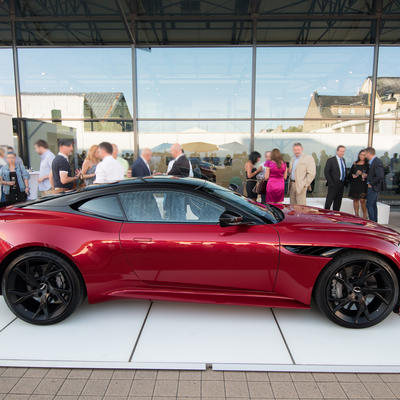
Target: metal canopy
149 23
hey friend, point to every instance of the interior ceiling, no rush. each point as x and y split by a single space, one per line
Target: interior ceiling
148 23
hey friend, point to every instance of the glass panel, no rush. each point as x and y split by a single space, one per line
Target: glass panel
194 82
107 207
65 86
386 138
169 206
217 150
321 143
317 82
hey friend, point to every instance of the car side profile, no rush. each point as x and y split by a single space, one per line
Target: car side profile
184 239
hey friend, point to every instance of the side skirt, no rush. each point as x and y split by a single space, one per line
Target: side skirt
203 296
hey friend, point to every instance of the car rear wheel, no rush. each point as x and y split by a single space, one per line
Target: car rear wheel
357 290
41 288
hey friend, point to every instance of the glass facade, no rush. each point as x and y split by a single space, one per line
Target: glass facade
218 102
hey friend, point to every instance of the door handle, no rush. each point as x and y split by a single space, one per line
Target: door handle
142 239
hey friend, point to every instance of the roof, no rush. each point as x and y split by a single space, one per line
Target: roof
325 102
387 86
102 104
150 23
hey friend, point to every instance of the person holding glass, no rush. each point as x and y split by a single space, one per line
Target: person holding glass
275 175
15 180
358 184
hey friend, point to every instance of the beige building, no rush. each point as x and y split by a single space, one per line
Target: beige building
337 108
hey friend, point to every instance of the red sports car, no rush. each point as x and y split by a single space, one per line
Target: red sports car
165 238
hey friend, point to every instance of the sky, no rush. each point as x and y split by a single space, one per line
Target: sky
201 82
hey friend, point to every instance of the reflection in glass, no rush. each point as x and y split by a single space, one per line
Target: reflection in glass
321 145
194 82
290 78
217 150
386 138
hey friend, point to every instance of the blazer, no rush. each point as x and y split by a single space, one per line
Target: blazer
140 169
181 167
304 173
21 172
332 172
376 175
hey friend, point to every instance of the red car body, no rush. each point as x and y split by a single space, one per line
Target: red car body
245 264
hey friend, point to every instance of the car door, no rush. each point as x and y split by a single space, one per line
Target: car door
173 238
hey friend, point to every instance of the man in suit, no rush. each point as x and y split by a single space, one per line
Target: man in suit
141 167
335 175
301 174
376 182
181 165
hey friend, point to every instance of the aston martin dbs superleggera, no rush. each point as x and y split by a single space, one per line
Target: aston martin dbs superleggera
182 239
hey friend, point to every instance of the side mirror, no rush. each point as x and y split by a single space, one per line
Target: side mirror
230 219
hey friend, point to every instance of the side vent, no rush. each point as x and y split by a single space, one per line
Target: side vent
318 251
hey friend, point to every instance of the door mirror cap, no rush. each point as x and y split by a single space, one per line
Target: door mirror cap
229 219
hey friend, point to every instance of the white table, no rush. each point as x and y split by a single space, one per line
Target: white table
33 185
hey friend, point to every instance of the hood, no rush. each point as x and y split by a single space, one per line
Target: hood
315 219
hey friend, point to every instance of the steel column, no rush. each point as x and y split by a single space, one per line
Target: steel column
374 79
22 142
253 87
134 101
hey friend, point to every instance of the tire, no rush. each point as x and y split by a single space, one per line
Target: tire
357 290
42 288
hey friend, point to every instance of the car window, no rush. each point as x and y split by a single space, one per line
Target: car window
169 206
107 207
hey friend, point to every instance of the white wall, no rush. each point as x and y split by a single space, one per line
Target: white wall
6 130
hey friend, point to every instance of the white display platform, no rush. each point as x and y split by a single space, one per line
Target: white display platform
134 334
347 207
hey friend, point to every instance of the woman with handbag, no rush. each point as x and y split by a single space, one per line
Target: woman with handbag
275 174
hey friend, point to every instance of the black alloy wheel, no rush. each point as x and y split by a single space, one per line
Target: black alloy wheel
357 290
41 288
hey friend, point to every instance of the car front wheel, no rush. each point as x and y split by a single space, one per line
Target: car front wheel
41 288
357 290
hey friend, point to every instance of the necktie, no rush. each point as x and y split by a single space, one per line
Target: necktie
342 168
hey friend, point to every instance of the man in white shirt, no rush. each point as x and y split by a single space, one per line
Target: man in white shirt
46 159
109 170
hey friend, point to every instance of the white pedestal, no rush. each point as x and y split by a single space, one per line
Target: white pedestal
33 185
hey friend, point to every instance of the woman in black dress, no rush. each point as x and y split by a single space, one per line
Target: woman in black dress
251 174
358 184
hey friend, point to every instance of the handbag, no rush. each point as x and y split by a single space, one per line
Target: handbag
260 187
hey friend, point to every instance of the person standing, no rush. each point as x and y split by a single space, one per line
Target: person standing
46 159
181 165
89 165
18 159
335 175
275 175
15 180
61 172
251 173
121 160
302 173
141 167
358 184
375 181
109 170
3 162
264 191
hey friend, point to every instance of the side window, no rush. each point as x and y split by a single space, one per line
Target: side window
107 207
169 206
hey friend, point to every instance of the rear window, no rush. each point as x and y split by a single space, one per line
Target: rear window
106 207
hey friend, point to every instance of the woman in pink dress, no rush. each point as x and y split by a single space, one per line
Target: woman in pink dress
275 174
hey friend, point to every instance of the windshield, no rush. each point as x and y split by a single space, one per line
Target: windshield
272 214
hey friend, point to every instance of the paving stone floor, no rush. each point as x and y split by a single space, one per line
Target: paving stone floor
87 384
